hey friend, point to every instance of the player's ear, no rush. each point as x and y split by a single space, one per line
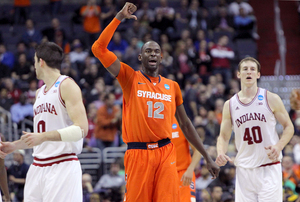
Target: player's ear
238 74
258 75
140 57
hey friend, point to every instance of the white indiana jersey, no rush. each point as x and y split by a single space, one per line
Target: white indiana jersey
50 114
254 128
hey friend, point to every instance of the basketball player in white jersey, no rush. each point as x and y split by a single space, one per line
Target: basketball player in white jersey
252 114
60 124
3 177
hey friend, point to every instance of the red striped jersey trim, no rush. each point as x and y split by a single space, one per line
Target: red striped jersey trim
54 160
270 164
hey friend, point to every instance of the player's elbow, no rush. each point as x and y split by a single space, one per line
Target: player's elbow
98 50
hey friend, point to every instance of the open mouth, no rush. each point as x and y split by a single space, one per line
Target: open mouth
152 62
248 77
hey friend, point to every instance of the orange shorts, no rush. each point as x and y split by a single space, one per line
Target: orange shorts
151 174
187 193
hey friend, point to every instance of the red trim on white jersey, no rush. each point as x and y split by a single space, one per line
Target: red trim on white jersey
46 91
54 160
59 94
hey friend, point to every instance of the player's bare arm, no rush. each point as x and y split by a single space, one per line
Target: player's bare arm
283 118
71 94
193 137
224 137
187 177
3 181
99 48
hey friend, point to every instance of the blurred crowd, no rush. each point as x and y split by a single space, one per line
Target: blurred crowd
198 52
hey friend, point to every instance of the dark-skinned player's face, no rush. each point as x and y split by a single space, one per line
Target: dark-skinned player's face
151 56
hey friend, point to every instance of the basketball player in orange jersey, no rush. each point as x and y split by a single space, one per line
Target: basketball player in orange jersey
60 124
252 114
149 105
185 164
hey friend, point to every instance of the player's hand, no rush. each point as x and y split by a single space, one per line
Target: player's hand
295 99
6 198
32 139
187 177
223 159
213 168
127 11
273 152
6 148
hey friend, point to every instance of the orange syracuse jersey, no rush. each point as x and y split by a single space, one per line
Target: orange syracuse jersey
149 105
183 156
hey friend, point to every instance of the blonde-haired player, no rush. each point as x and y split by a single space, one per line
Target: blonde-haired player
252 114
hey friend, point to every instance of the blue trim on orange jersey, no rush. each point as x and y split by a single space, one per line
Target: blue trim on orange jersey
159 78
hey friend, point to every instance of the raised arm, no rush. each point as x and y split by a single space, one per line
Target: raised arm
192 136
224 137
99 48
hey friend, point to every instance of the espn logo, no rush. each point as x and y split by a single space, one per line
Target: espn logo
152 145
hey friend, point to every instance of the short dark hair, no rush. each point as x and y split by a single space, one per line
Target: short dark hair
249 59
51 53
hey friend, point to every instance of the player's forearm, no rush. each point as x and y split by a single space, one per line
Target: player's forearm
3 181
195 159
222 145
287 134
20 144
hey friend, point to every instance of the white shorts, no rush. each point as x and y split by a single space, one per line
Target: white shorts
263 184
58 182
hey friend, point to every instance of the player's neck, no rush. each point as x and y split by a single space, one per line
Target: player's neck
248 91
50 78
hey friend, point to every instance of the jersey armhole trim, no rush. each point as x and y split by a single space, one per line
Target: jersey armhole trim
59 94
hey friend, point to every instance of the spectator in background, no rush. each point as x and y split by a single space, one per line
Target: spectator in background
55 6
164 21
181 13
108 11
135 31
108 122
31 37
118 43
22 72
21 11
30 94
223 21
91 115
78 54
87 187
216 193
21 48
50 32
243 24
6 57
234 7
13 91
21 110
145 11
111 182
17 175
131 52
91 14
221 55
5 101
205 178
290 171
194 16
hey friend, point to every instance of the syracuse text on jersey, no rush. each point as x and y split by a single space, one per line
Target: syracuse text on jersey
46 107
249 117
153 95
